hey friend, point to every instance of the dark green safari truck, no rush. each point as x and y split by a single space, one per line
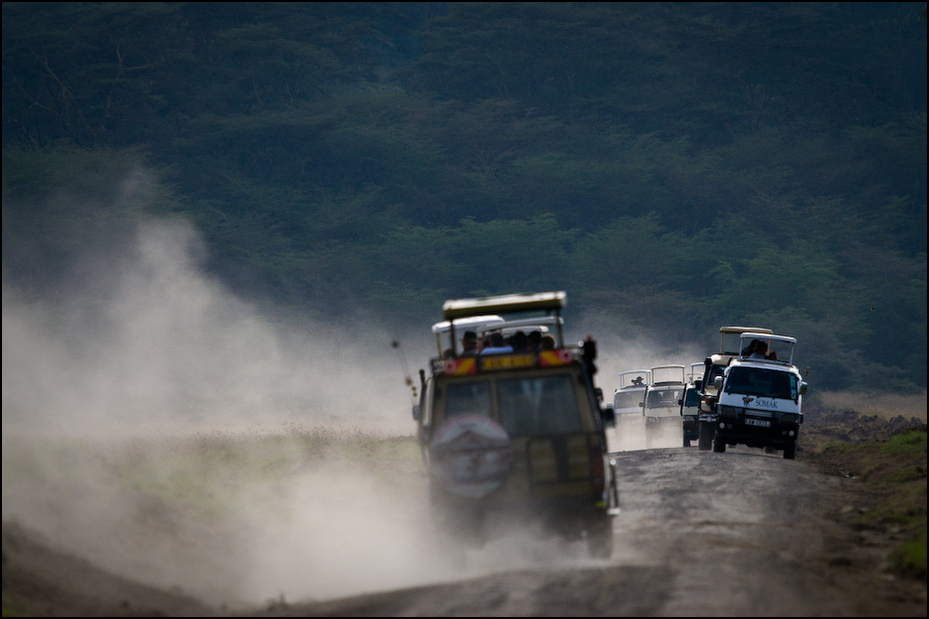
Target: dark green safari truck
513 435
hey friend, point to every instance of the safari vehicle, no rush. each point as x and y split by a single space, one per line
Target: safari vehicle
713 366
516 439
629 403
759 396
662 405
690 403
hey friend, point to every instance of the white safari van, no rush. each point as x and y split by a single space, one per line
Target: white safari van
629 406
713 366
759 396
663 420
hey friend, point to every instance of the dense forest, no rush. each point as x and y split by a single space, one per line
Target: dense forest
673 166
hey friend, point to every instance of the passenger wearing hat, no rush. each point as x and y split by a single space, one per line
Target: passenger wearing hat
469 343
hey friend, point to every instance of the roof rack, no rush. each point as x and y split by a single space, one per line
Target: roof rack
671 374
504 304
729 338
696 372
785 343
457 311
626 378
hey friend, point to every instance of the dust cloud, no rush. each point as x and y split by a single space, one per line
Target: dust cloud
105 391
162 428
166 345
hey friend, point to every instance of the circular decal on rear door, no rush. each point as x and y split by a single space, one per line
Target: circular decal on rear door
471 455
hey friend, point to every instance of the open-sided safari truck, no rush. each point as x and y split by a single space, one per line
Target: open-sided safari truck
516 438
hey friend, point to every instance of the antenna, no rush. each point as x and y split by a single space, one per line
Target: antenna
406 371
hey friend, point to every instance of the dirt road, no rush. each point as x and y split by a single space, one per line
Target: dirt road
737 534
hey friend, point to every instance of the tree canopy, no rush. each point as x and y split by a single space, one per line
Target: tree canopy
674 166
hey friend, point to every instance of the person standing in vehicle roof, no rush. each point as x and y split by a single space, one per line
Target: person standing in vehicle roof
535 340
469 344
520 342
497 345
759 350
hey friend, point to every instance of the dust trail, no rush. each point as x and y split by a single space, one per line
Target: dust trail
166 344
162 428
120 396
168 430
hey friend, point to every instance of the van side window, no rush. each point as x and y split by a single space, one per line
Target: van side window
692 398
787 384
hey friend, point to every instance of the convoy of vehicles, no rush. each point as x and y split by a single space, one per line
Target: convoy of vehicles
713 366
517 434
662 406
759 396
513 438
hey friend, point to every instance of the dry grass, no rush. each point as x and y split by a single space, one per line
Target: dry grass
885 406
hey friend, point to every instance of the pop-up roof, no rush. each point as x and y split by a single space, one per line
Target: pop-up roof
524 310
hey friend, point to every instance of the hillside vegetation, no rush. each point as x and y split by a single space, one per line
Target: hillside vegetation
674 167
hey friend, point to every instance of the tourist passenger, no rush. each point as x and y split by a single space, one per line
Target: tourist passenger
469 343
519 341
535 340
759 350
497 345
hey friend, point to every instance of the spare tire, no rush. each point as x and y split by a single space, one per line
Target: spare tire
471 455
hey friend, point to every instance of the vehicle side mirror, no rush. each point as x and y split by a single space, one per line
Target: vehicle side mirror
680 402
803 387
718 382
417 412
599 393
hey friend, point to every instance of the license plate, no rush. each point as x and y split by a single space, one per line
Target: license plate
761 423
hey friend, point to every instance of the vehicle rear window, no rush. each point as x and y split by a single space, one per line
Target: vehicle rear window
468 399
539 405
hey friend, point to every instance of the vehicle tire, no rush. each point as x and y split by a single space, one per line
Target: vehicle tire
686 442
769 450
600 539
719 445
790 451
705 438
